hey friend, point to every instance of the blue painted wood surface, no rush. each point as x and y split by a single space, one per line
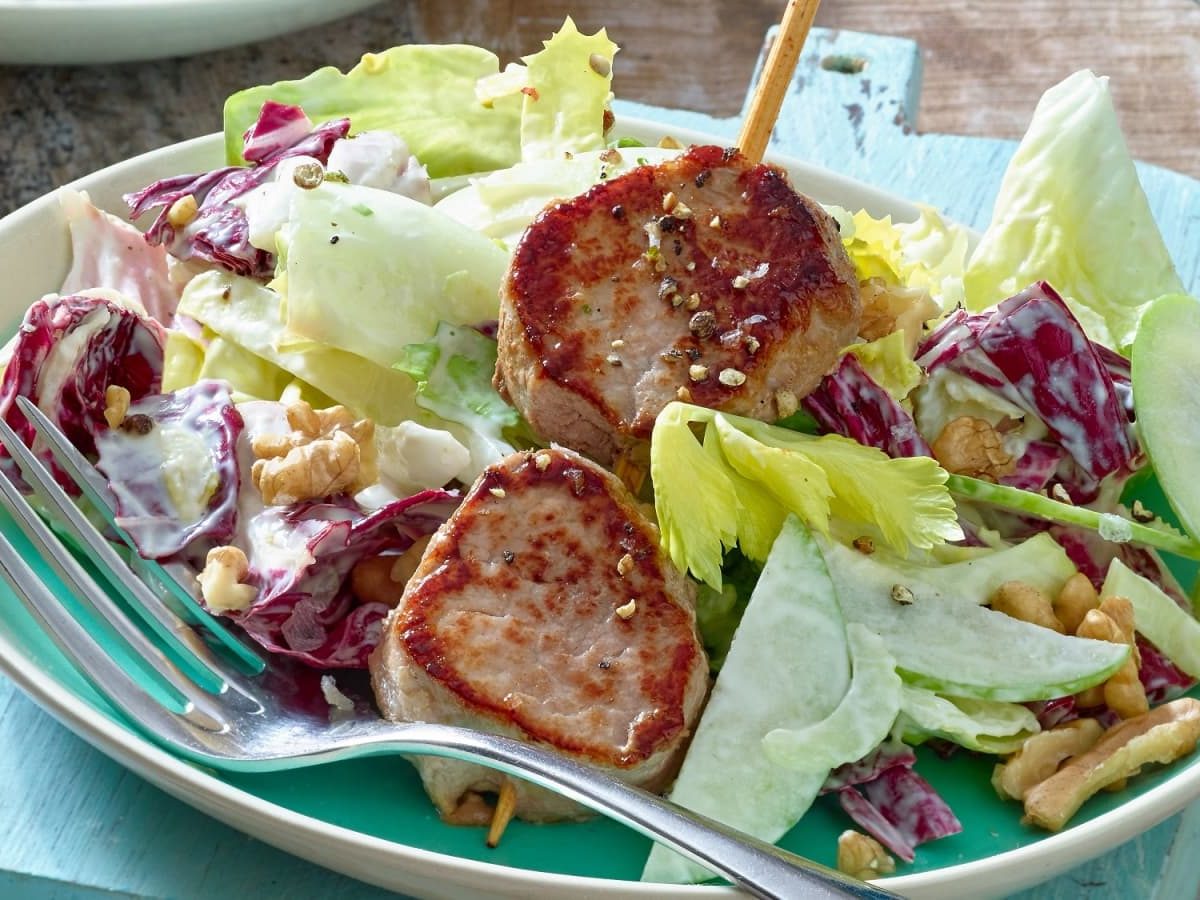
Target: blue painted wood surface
73 824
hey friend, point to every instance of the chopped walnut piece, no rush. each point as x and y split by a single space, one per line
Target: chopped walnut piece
971 446
220 580
327 452
381 579
861 856
1161 735
1041 754
1026 602
1077 597
1123 692
786 403
116 405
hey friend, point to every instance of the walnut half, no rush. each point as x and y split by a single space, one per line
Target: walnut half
971 446
220 581
863 857
327 452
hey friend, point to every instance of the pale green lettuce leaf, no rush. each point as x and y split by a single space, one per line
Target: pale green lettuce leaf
453 373
988 726
424 93
451 104
244 313
570 84
502 204
371 284
1071 211
928 254
889 364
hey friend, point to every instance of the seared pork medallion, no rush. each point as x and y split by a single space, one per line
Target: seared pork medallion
703 278
544 609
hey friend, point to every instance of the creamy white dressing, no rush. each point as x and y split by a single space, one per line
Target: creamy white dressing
189 471
64 357
946 395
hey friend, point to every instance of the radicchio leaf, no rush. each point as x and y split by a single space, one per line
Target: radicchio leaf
911 805
849 402
300 561
874 823
175 479
68 351
219 232
107 252
885 756
1031 350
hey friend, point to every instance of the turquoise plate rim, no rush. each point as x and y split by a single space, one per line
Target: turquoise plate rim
36 232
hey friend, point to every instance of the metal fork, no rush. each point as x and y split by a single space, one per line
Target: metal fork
198 705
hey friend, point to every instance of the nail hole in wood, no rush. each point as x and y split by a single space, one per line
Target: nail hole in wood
843 63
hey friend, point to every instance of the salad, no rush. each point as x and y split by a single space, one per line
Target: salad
288 378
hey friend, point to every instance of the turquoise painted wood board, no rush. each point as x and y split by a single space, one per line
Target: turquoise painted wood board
73 824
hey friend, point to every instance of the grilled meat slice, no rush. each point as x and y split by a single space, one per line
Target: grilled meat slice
703 278
544 609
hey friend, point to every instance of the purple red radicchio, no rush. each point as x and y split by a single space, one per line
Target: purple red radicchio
67 352
301 557
219 232
136 457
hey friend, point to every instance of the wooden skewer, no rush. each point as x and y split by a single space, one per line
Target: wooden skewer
506 804
776 76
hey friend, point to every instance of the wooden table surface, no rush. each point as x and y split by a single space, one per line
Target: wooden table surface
986 61
985 64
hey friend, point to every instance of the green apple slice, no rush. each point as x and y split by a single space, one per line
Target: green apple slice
788 667
947 642
1166 372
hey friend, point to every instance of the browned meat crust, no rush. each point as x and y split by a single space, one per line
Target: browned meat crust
511 623
702 278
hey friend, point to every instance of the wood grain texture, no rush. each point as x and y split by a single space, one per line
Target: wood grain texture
986 63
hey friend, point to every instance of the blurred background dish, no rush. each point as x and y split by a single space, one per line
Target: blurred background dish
86 32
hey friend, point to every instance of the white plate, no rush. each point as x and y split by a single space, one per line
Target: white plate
34 255
85 32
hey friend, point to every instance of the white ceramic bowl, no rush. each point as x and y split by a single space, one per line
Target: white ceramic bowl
35 255
86 32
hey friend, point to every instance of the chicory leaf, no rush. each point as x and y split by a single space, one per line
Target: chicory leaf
453 373
396 272
245 313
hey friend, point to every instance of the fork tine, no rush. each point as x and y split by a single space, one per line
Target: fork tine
95 488
203 672
178 695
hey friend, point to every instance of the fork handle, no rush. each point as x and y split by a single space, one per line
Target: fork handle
754 865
